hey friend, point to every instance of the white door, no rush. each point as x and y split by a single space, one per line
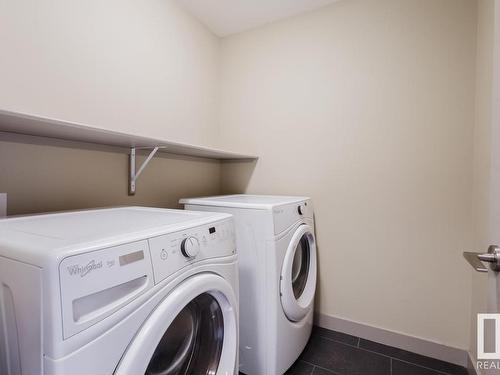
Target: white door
486 285
193 331
298 274
494 280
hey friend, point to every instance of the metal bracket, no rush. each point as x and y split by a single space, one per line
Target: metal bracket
133 175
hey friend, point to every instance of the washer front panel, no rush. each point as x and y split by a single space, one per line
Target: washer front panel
170 315
98 283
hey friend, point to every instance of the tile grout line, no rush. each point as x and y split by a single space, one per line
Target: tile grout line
334 372
340 342
380 354
404 361
424 367
413 363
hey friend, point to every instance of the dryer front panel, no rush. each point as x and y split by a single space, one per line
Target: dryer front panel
298 274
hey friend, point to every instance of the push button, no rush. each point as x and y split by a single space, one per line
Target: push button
164 254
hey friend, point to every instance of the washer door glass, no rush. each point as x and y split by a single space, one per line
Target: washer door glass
300 266
193 342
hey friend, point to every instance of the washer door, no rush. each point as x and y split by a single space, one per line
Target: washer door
192 331
298 274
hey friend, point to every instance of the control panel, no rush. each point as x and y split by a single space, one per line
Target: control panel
174 251
287 215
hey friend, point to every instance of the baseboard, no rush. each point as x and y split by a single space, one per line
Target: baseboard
395 339
471 369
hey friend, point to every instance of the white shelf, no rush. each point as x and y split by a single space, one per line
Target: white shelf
35 126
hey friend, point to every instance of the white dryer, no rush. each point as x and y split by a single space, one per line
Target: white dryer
118 291
277 259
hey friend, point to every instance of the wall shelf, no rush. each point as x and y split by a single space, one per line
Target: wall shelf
35 129
24 124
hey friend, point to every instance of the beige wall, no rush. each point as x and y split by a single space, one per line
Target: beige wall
368 107
142 67
146 68
482 155
41 178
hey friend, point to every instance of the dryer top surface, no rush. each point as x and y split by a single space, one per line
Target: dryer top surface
265 202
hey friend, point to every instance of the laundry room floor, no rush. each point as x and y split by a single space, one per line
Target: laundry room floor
334 353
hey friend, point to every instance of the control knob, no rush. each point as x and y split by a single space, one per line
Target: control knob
302 209
190 247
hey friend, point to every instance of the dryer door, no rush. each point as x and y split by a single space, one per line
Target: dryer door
298 274
193 330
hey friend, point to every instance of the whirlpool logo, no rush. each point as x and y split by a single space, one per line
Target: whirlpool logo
84 270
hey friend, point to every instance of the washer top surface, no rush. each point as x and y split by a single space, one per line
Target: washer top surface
52 233
265 202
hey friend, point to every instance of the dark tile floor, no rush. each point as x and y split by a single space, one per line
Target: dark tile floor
335 353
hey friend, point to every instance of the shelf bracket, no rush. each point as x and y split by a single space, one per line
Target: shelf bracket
133 174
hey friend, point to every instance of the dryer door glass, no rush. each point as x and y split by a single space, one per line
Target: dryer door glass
300 266
193 342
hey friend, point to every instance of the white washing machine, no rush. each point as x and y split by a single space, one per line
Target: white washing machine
118 291
277 259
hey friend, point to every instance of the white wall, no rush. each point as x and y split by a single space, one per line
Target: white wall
368 107
143 67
